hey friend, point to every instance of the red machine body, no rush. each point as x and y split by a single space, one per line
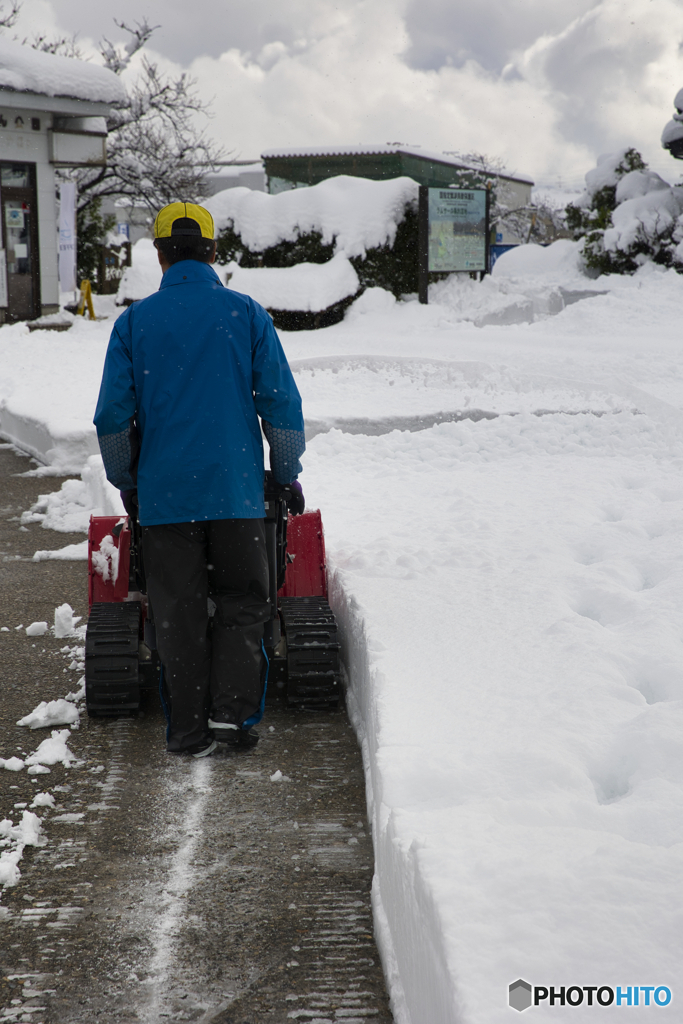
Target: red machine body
306 574
99 587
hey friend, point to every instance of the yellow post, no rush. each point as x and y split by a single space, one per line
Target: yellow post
86 300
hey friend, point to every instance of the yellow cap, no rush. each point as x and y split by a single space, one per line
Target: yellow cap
183 219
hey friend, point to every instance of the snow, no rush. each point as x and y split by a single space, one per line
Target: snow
559 259
45 412
144 275
603 175
673 130
65 620
644 216
310 287
78 694
69 509
639 183
355 213
53 750
69 553
12 764
501 480
37 629
24 69
43 800
49 713
27 833
105 560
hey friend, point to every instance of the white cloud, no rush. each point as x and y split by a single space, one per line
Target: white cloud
603 81
489 31
545 85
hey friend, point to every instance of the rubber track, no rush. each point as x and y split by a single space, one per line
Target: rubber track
112 683
313 652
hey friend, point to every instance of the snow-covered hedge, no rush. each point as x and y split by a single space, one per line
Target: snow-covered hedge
628 216
304 297
373 223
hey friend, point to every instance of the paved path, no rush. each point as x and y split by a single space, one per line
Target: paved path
174 889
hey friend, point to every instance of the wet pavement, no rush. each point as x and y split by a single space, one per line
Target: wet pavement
172 888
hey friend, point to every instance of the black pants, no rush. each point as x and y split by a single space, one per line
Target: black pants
213 666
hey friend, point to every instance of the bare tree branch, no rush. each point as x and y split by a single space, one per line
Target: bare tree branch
156 153
63 46
117 60
8 17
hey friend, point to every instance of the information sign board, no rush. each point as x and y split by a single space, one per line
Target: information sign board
452 233
457 230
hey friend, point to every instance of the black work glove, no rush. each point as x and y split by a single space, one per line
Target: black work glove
130 502
296 503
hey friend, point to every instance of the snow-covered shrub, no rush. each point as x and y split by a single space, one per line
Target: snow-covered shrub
672 136
627 216
374 223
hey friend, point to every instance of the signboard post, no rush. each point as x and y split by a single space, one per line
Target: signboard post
453 233
4 299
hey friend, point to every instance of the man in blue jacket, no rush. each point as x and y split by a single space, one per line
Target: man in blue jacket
188 372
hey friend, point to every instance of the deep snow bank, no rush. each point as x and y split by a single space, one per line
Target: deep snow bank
514 658
48 389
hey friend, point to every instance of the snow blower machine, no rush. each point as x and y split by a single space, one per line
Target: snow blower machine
121 658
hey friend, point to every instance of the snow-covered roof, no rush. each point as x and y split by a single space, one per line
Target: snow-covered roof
382 150
23 69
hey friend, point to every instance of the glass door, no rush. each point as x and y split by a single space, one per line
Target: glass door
19 231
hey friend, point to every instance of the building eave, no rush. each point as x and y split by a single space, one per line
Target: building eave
20 100
386 150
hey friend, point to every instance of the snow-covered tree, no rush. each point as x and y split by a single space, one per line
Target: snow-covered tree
533 222
156 153
628 216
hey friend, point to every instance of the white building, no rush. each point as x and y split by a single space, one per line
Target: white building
52 114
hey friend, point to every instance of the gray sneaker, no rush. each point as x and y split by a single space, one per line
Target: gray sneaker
206 750
233 735
224 732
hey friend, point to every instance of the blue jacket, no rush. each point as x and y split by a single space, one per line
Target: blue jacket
188 372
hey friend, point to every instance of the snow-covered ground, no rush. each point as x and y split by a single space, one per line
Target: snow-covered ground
501 480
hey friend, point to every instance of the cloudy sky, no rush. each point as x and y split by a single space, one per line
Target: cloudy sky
546 85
